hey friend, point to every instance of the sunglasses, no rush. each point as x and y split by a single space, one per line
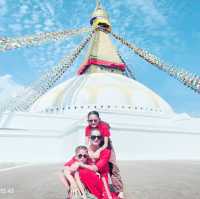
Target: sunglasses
93 137
82 156
90 121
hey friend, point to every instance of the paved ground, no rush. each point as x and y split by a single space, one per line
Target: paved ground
8 165
143 180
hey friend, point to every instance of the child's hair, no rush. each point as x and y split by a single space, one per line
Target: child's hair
93 113
78 148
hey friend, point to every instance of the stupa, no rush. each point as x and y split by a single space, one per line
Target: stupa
143 125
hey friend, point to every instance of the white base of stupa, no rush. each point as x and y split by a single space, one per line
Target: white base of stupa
136 135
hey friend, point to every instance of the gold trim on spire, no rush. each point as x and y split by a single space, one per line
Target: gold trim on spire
100 18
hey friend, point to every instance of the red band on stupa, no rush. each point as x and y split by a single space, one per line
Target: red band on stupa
98 62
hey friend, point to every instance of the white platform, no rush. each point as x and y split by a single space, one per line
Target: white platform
136 134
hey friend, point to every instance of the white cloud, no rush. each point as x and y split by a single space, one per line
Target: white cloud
148 8
48 23
8 88
148 23
23 9
50 9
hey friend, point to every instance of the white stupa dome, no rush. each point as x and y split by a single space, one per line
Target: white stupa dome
100 89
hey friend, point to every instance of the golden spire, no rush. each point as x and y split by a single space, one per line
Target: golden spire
102 56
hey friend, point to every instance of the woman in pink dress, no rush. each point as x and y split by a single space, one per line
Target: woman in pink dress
98 165
94 122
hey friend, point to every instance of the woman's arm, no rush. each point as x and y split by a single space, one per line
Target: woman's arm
90 167
106 139
103 160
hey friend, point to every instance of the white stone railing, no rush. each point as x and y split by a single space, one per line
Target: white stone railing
101 107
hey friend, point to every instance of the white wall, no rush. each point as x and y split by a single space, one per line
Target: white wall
50 138
22 148
144 145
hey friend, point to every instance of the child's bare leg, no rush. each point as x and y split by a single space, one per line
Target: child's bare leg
64 181
80 185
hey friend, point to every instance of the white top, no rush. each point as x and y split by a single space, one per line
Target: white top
101 89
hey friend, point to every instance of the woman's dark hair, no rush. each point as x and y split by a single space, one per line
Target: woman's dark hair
109 143
108 147
110 164
93 113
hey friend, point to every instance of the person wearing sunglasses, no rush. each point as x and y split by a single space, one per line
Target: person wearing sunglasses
71 179
100 165
95 122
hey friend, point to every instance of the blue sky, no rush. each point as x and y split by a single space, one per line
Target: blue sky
166 28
